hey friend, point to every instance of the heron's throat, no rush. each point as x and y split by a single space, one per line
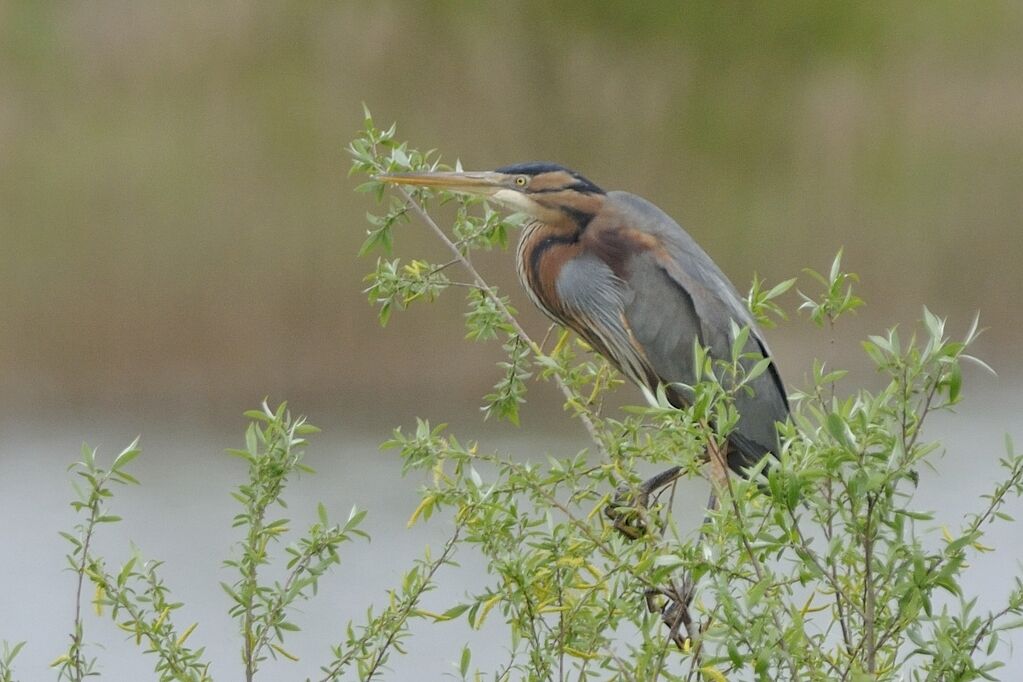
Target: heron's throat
552 238
567 211
543 249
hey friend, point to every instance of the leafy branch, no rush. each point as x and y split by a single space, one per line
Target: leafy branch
383 633
366 154
823 542
274 448
90 501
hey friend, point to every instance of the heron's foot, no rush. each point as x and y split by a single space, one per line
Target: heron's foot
674 609
628 509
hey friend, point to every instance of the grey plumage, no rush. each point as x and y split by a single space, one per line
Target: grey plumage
672 301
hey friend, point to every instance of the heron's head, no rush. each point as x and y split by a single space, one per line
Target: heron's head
545 191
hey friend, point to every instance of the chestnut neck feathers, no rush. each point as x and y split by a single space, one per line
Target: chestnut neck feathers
564 204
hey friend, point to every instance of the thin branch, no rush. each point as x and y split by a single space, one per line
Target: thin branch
281 602
76 636
989 625
417 208
718 452
403 616
828 576
449 547
829 531
443 266
869 595
250 587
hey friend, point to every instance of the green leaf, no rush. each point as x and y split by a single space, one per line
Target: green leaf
758 369
780 288
380 238
668 561
836 266
840 431
954 380
127 455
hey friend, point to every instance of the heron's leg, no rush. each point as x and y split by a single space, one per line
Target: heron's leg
675 611
717 457
630 520
628 511
628 508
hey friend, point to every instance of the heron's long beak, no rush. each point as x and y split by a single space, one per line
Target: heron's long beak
482 183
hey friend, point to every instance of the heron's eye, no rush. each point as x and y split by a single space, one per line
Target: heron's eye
521 181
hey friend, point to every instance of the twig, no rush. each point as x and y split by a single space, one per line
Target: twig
717 451
251 585
76 637
280 602
434 567
992 619
417 208
403 616
869 597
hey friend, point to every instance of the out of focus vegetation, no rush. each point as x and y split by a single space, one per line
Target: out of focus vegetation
172 182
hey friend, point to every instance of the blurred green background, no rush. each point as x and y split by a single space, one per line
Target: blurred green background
178 231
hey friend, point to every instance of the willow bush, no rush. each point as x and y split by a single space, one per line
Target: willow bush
819 567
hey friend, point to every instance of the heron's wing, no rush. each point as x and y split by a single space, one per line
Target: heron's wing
594 300
663 320
678 295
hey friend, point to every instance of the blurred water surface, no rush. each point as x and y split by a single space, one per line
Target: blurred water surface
182 515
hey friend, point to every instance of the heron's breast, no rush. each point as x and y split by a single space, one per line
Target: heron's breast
542 254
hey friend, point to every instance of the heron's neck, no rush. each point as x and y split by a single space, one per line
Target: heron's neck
550 240
566 212
543 250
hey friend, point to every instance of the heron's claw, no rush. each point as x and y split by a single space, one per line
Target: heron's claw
674 610
628 509
628 519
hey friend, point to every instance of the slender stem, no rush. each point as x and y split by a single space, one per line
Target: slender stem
250 586
461 258
998 498
532 635
443 266
717 452
449 547
840 597
76 636
274 611
869 596
984 631
829 576
561 625
402 617
918 429
624 669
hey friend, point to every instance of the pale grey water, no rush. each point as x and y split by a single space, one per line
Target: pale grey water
182 514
